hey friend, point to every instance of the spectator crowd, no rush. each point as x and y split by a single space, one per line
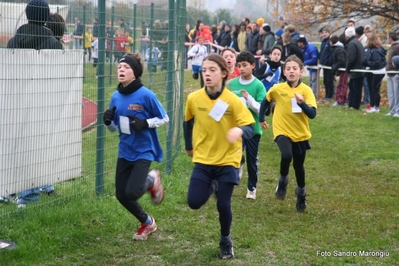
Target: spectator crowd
353 63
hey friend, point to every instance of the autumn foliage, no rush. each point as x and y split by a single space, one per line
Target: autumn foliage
308 14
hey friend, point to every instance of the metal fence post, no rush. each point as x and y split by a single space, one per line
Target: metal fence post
100 100
134 27
111 39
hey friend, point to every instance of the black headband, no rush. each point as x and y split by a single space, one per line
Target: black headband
133 63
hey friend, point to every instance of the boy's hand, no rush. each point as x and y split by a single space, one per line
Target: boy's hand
189 153
137 124
234 134
299 98
244 94
109 116
264 125
262 59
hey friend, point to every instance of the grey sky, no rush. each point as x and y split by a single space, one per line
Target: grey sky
213 5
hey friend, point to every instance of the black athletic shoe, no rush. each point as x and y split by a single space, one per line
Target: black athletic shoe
281 189
300 201
226 251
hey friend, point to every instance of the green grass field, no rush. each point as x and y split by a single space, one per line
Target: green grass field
352 208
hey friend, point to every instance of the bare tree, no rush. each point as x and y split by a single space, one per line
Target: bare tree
197 4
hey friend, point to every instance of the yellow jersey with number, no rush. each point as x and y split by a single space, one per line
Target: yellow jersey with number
287 120
210 144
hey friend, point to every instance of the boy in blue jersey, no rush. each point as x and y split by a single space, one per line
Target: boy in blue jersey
136 112
251 91
270 71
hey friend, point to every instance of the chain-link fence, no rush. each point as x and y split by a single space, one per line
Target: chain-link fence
52 139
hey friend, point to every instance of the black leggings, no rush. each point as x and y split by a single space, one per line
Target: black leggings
374 81
88 50
328 80
131 183
199 192
285 145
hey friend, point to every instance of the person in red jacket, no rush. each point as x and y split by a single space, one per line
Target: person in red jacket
205 32
120 39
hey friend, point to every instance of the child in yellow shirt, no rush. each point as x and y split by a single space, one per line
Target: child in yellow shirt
88 41
129 43
295 104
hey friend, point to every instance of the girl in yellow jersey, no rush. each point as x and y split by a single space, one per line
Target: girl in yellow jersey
215 122
88 41
295 103
129 42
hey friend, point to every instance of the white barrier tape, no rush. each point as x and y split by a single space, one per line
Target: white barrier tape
379 71
376 71
216 46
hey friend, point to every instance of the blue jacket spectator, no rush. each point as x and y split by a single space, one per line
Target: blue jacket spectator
310 57
309 52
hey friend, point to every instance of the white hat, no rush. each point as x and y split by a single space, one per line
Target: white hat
350 32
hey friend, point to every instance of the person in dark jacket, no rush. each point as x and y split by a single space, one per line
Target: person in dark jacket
251 43
326 60
289 48
95 27
294 34
34 35
196 32
393 76
123 25
214 34
266 40
221 27
56 24
225 39
187 40
339 61
234 37
354 60
374 59
78 33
